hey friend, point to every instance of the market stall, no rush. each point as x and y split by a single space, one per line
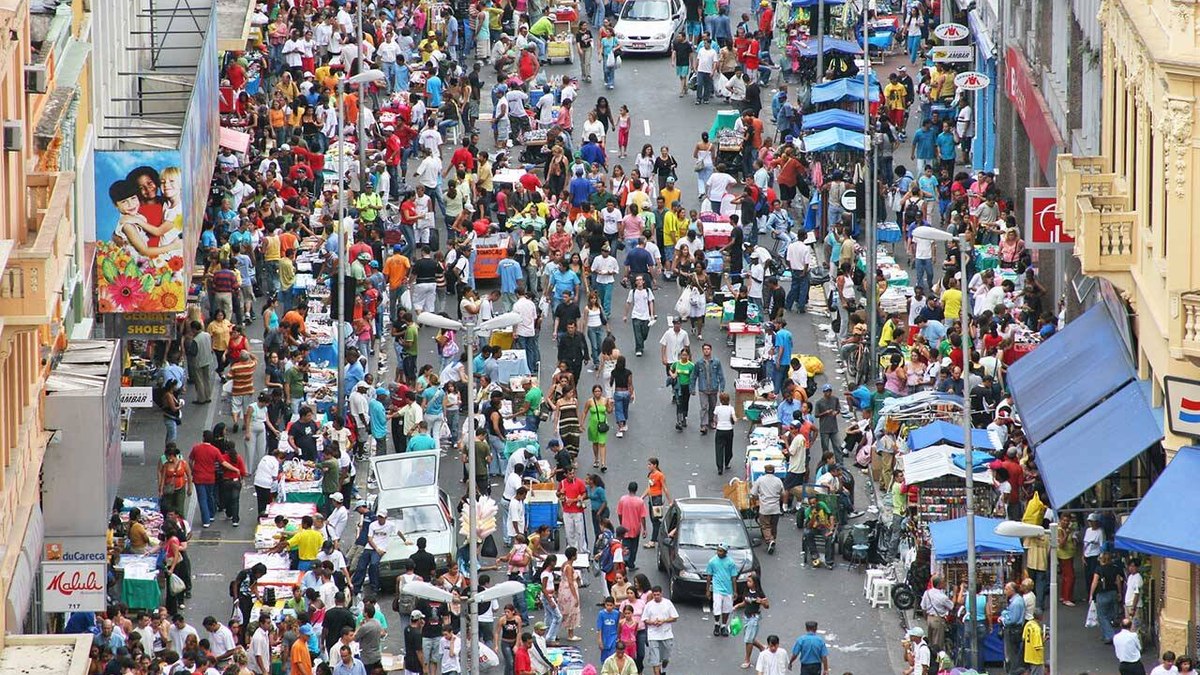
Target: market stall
300 482
993 553
489 251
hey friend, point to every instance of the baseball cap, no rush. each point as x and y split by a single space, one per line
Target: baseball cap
722 546
397 248
416 615
827 387
541 625
361 504
916 631
337 497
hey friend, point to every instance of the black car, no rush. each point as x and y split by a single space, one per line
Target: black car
691 531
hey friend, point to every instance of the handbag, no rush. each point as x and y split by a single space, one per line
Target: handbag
602 425
699 165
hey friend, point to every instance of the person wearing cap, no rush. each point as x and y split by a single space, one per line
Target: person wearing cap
826 410
917 655
414 657
339 515
721 571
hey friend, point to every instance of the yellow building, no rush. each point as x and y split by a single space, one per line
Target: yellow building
1132 211
38 254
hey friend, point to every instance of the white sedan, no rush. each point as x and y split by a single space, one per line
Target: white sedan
648 26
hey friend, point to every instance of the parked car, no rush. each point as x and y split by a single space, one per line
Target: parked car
691 530
407 490
648 26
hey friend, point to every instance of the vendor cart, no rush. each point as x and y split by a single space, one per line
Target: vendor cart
562 45
543 508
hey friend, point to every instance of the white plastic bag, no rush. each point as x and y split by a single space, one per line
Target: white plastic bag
487 657
406 300
683 306
177 585
1092 619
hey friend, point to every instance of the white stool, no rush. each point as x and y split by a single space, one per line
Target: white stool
869 580
881 593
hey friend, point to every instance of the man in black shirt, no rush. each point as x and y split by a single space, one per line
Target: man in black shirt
423 562
435 615
414 658
336 618
735 249
302 434
566 313
681 54
573 349
774 300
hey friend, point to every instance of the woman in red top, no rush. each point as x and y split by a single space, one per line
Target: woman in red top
238 343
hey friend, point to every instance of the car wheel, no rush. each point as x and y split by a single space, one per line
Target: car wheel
673 590
662 566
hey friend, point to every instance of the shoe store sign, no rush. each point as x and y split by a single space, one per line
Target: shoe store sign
952 53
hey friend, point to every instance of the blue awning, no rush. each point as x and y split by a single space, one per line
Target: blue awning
1103 440
949 538
1163 524
835 139
834 117
830 45
942 431
845 89
813 3
1076 368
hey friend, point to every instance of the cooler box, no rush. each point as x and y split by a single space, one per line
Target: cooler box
541 512
714 263
717 235
558 49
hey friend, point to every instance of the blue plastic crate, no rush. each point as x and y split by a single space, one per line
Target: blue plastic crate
541 513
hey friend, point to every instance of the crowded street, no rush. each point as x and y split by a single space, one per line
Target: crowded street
616 338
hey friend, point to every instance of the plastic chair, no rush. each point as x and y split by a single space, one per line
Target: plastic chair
881 592
859 544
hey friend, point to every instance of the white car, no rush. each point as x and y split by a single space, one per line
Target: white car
648 26
408 491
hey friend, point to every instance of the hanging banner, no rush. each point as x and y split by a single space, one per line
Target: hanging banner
952 53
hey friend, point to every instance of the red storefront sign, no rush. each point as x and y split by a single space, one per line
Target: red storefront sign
1043 227
1026 97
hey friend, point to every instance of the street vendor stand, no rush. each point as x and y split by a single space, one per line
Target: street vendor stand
139 573
938 474
300 482
489 251
745 339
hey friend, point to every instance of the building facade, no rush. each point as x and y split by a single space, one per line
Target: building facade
43 87
1131 204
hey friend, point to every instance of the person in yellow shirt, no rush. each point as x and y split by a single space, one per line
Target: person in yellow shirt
952 300
427 46
671 194
1033 637
895 95
675 226
306 543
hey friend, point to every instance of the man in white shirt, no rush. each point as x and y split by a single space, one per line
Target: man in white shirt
800 259
265 476
1133 589
335 523
918 656
220 639
658 616
260 646
179 632
1128 648
639 306
706 64
772 660
673 341
429 171
1167 667
334 557
514 522
606 268
379 535
610 217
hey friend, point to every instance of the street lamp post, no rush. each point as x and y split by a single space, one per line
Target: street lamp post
869 209
1011 528
428 591
936 234
500 321
345 236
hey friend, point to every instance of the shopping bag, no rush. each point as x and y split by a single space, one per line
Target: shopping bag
1092 620
735 625
177 585
487 657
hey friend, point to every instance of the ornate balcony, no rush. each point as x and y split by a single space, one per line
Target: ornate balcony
1189 315
33 277
1078 176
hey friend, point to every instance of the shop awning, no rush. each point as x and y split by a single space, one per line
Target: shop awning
836 117
1167 521
835 139
1103 440
1070 373
938 462
813 3
830 45
942 431
949 539
845 89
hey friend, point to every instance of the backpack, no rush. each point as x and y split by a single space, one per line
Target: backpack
606 556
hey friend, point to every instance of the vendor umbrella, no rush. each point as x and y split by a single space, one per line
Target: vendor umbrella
834 117
844 89
836 45
835 139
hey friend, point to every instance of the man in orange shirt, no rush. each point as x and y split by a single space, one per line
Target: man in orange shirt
396 268
295 317
300 657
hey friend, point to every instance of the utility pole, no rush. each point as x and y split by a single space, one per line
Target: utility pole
869 187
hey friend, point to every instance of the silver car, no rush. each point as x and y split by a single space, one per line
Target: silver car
648 26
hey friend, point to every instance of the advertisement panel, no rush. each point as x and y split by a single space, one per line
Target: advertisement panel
1183 405
73 587
952 53
199 139
1022 88
140 208
1044 229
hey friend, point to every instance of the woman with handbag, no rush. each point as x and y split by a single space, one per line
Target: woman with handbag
596 411
703 155
174 481
171 557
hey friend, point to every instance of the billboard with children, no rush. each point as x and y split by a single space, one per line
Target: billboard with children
140 209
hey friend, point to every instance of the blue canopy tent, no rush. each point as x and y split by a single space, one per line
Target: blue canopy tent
831 45
949 539
834 140
834 117
1163 524
942 431
845 89
814 3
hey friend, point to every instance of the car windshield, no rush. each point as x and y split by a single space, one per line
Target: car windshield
407 472
707 533
646 10
416 519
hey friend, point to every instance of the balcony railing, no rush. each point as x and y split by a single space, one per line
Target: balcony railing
35 270
1079 175
1107 234
1190 316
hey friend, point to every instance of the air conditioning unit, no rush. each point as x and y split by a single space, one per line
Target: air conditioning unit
14 136
37 80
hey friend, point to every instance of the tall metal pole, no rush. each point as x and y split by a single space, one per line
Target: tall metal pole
820 41
1053 652
972 572
472 515
343 251
362 133
869 221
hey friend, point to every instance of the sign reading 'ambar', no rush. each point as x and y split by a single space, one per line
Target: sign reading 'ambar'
952 53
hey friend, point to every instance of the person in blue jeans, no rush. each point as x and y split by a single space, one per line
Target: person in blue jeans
1105 588
622 387
607 47
924 145
947 145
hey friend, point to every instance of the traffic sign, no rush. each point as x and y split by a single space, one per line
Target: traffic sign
951 32
952 53
972 80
